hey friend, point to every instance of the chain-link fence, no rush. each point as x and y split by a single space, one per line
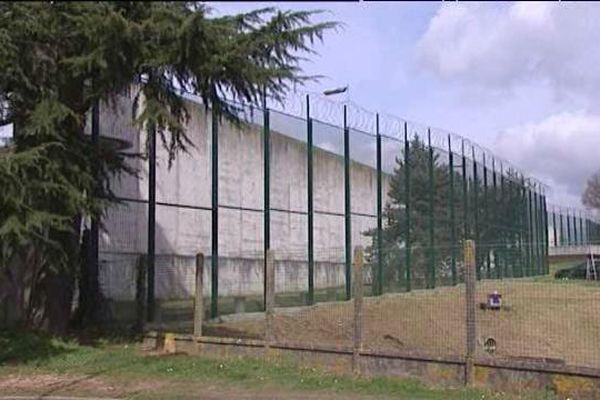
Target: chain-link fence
309 191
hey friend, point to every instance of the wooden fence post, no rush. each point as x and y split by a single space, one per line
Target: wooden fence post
470 278
269 297
357 289
198 299
140 293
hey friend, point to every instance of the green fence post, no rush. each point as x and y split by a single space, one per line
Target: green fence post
407 206
347 206
431 280
581 236
538 238
309 193
151 300
568 229
575 235
512 220
451 207
546 238
496 226
92 274
502 226
485 223
562 228
214 257
266 195
379 210
476 213
554 226
534 232
521 231
531 248
465 192
543 232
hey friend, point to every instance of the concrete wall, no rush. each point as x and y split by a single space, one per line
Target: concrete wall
183 232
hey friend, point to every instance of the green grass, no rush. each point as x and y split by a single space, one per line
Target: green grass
122 361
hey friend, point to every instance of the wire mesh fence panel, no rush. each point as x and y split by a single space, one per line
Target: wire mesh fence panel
307 193
330 217
365 179
122 247
390 256
289 191
180 234
425 322
289 245
328 322
542 319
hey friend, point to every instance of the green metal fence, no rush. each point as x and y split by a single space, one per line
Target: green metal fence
408 193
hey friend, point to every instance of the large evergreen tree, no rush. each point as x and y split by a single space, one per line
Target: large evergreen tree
423 194
58 59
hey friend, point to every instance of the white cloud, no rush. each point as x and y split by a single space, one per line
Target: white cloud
533 61
500 48
561 150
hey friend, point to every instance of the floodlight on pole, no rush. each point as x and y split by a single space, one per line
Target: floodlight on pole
331 92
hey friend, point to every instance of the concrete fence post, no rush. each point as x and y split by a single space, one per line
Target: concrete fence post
357 289
140 293
470 279
198 299
269 297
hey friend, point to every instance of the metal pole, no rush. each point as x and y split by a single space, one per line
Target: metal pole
151 220
546 238
214 256
554 226
568 229
452 213
266 194
475 211
581 238
538 231
485 244
503 234
269 297
407 206
562 228
309 186
575 236
513 226
517 226
465 198
431 274
379 211
92 272
347 206
531 249
198 297
495 229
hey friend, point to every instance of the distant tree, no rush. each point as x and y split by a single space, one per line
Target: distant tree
501 219
58 59
591 195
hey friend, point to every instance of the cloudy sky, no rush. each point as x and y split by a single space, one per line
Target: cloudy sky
522 79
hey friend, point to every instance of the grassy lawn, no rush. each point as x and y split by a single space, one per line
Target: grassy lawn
38 365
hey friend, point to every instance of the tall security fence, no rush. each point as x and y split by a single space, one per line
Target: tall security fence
570 226
309 181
